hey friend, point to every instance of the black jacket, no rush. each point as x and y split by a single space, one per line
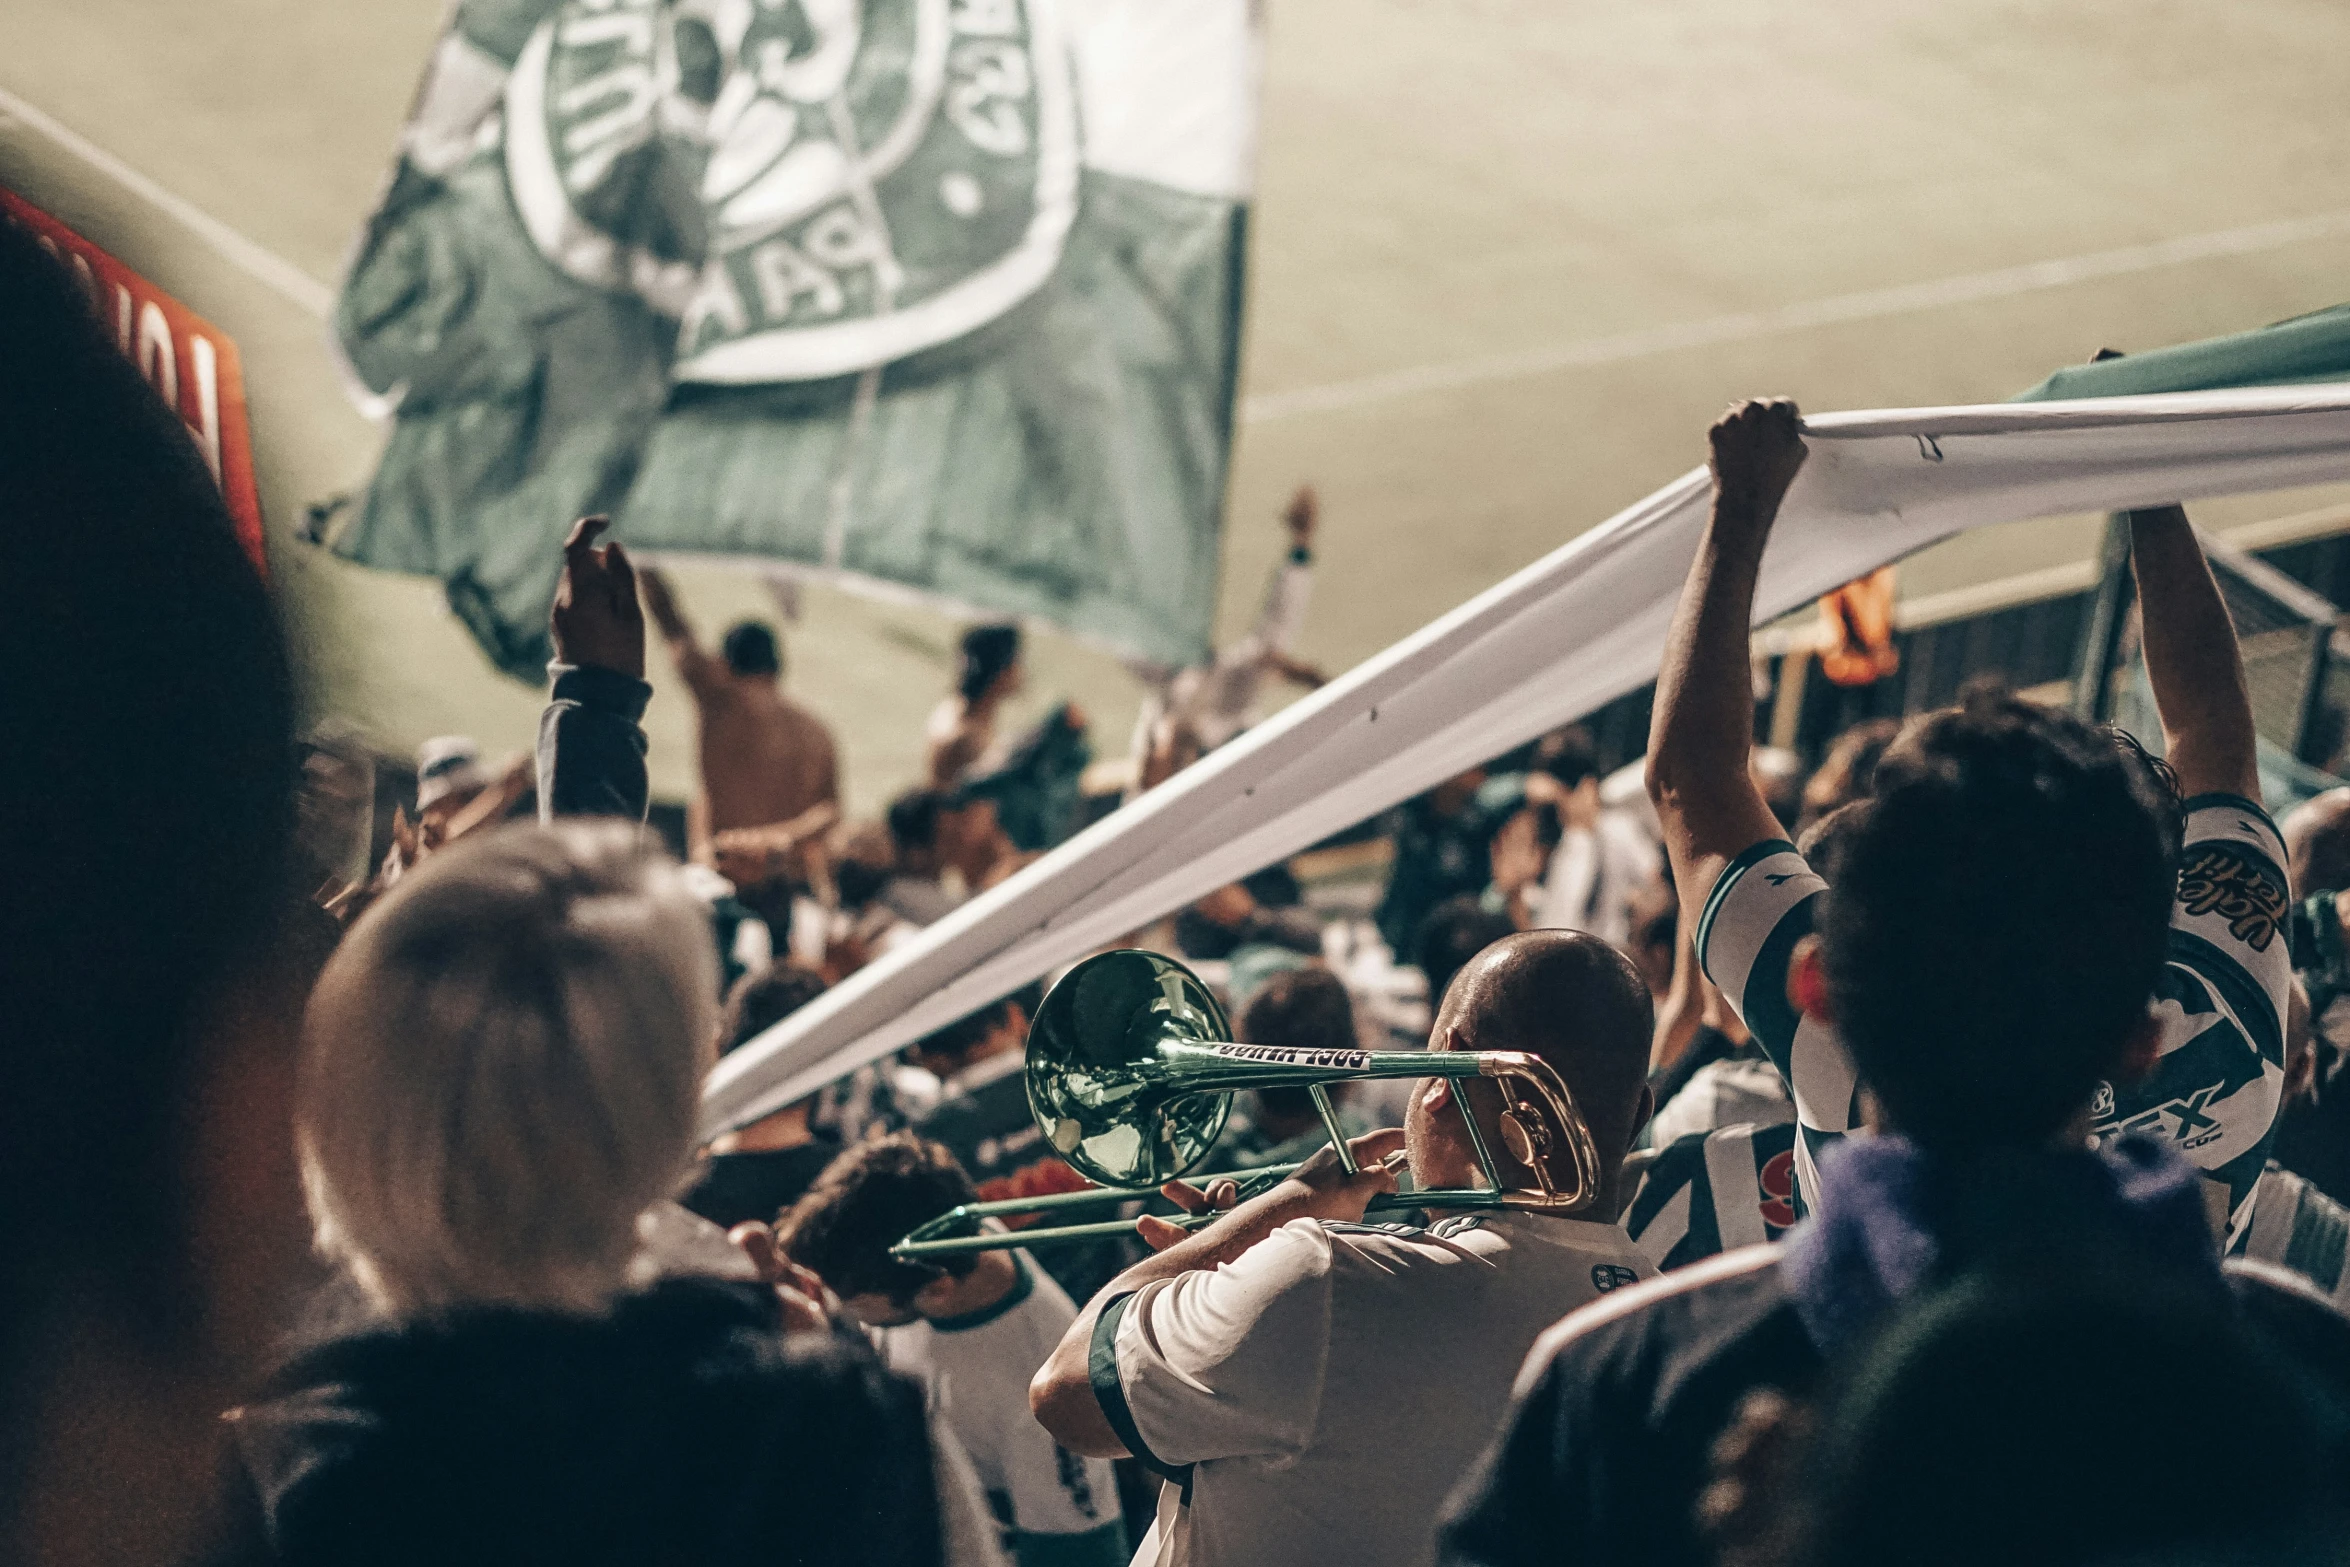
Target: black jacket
680 1427
1602 1460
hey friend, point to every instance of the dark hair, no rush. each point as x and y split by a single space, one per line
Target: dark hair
1455 931
1849 770
1996 920
913 818
965 1034
1572 756
146 814
865 1202
2013 1419
987 652
751 649
763 998
1301 1009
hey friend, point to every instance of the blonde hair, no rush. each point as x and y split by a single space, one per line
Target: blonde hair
501 1070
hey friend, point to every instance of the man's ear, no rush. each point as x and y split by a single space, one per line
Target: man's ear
1807 982
2139 1050
1645 1110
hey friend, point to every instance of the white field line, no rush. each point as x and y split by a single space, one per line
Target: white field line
1868 305
264 266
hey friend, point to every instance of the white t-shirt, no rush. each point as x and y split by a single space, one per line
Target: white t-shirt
1594 874
1315 1400
978 1369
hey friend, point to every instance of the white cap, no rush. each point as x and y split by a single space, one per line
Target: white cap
446 765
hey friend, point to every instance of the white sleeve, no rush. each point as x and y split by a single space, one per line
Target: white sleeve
967 1531
1223 1362
1571 885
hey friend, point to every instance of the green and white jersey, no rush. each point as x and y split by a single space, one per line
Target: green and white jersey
1711 1192
2298 1227
2219 1073
2219 1067
1714 1192
1763 905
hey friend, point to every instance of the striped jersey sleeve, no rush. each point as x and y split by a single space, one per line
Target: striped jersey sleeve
1711 1192
2219 1071
2296 1226
1765 903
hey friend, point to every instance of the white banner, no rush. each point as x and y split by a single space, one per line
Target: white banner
1569 633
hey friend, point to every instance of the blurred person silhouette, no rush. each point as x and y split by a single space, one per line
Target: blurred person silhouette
1987 1423
150 995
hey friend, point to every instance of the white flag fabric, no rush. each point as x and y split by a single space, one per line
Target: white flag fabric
1573 631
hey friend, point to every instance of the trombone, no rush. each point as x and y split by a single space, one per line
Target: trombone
1131 1072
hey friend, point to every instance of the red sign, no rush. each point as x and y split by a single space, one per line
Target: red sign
188 360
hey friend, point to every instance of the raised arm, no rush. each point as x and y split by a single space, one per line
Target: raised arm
694 664
591 755
2192 659
1701 738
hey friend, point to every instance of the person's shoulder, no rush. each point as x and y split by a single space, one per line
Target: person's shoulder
1705 1301
2297 1321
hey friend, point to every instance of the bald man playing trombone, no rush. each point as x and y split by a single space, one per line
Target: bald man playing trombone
1308 1386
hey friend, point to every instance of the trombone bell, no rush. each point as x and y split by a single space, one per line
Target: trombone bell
1130 1077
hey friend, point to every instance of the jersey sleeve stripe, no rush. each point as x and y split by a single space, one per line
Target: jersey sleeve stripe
1101 1366
1820 1075
2240 997
1761 994
1737 1194
1749 857
2261 820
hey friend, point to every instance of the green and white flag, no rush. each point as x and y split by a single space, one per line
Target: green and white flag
940 297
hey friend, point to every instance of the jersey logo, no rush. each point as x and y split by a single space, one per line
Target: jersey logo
2183 1118
2221 879
1607 1276
1780 878
1776 1183
1075 1481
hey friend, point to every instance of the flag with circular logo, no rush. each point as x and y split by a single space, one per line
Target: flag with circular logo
939 296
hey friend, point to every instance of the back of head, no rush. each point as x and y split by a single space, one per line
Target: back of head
763 998
913 820
1849 771
1303 1008
1576 1002
1997 920
2025 1419
502 1069
865 1202
146 812
945 1050
2317 843
1455 931
987 652
751 650
1571 756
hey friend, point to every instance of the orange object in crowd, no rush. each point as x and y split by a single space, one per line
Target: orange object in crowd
1859 650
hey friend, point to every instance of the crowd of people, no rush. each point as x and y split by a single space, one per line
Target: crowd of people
1959 1165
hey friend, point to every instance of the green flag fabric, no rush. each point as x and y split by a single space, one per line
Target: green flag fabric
2305 350
934 297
